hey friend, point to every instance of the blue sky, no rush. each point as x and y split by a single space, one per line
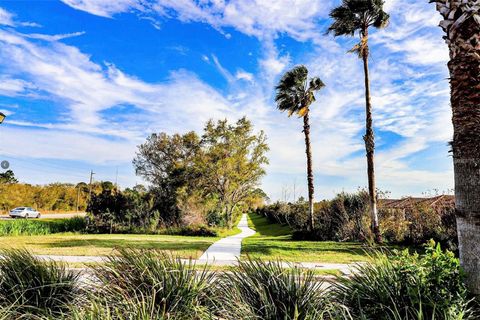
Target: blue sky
83 82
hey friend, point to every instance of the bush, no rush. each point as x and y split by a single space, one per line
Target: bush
41 227
419 223
407 286
165 285
193 231
266 290
30 286
346 218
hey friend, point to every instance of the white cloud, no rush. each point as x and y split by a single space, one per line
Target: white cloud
243 75
62 145
104 8
257 18
55 37
6 18
13 87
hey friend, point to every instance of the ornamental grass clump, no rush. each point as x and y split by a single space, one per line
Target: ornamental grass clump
268 290
153 283
31 287
406 286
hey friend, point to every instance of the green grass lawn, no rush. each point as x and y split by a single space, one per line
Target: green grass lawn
273 241
104 244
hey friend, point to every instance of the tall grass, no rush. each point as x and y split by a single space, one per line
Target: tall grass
34 287
20 227
156 282
406 286
267 290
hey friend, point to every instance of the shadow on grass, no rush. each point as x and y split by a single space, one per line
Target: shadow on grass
263 247
119 243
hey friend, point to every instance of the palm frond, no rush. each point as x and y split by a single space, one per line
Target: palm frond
291 89
353 15
382 20
344 22
316 84
294 93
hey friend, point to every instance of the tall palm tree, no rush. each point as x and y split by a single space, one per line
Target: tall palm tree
295 94
356 17
461 23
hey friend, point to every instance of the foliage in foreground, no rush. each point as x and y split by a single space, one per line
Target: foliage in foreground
268 290
158 283
31 286
405 286
151 285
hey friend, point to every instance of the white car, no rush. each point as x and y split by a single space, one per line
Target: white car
24 212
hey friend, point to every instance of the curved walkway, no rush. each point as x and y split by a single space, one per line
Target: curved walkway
228 249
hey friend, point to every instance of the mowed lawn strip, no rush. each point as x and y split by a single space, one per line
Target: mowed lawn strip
70 244
274 241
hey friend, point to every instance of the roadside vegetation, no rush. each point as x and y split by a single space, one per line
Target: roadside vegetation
55 197
25 227
347 218
153 285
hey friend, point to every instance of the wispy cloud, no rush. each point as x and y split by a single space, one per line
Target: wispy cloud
410 91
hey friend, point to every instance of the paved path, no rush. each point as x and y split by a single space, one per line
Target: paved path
344 268
229 248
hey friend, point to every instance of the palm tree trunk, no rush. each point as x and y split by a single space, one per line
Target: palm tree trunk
308 151
462 26
369 139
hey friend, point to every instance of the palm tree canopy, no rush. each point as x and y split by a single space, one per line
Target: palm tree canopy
295 92
357 15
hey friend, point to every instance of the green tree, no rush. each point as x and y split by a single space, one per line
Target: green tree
295 94
8 177
231 163
168 162
461 24
356 17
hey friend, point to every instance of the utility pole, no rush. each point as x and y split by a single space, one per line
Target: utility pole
90 185
78 196
116 180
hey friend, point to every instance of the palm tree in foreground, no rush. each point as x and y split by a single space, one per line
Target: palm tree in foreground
462 27
351 17
295 94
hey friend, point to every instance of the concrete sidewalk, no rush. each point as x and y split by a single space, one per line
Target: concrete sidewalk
345 269
229 248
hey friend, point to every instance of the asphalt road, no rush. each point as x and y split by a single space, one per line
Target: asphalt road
52 215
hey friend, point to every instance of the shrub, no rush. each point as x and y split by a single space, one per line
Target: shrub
41 227
193 231
267 290
30 286
346 218
166 285
406 286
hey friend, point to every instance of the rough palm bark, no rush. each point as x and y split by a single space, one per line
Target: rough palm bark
461 23
369 139
308 151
